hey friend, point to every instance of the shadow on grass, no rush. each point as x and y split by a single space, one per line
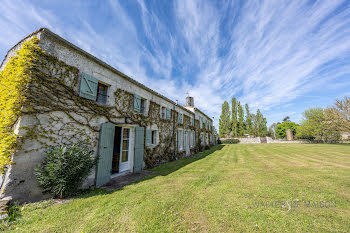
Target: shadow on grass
161 170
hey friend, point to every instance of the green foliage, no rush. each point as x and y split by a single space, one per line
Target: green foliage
14 82
65 168
252 124
338 115
224 121
281 128
316 126
230 141
234 117
272 131
14 211
259 127
240 120
248 120
312 124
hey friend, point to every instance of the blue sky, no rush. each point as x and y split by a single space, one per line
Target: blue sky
280 56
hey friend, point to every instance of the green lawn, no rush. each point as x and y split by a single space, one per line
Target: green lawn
216 191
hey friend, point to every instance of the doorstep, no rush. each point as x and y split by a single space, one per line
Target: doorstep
122 180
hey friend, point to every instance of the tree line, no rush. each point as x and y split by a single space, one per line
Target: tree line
235 122
317 124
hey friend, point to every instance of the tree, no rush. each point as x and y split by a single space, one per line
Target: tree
281 128
259 128
261 124
315 126
234 117
338 116
248 120
225 121
286 119
272 131
240 120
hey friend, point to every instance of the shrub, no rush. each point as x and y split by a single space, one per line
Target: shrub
206 147
14 211
230 141
64 169
281 128
219 141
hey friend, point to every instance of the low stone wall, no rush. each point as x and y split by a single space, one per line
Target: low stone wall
269 140
249 140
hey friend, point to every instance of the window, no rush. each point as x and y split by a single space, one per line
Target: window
125 145
154 137
180 118
143 105
139 104
102 93
179 140
194 138
185 139
168 114
190 138
163 113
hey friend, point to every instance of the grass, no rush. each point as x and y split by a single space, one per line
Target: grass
215 191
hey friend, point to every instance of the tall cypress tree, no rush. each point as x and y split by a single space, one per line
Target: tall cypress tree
225 120
234 117
261 124
240 120
248 121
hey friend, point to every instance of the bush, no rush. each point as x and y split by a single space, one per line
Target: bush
64 169
219 141
14 211
230 141
281 128
206 147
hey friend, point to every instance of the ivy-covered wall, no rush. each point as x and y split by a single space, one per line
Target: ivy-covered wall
14 81
40 106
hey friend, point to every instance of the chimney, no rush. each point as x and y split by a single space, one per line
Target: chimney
189 101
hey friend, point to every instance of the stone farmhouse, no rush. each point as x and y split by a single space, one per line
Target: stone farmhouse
71 96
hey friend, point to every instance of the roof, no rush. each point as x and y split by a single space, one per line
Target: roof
98 61
196 109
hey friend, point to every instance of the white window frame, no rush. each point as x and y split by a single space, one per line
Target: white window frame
161 112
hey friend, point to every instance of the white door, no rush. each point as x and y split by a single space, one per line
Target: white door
124 163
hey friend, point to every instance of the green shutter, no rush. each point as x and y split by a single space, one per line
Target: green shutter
168 114
88 86
139 147
148 137
194 138
137 103
178 140
105 154
185 140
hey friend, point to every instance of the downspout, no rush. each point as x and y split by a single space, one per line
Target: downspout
175 146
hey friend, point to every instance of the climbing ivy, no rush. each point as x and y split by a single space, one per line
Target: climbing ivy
14 82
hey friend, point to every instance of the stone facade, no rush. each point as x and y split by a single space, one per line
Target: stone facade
170 130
